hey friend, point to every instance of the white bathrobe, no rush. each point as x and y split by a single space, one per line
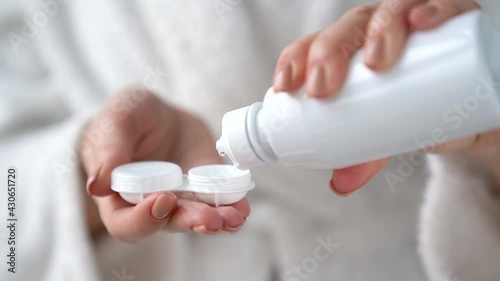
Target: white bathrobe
59 61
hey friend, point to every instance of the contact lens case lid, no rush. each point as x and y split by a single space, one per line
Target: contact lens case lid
150 176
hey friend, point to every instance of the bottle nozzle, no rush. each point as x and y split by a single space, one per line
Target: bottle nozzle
235 141
220 148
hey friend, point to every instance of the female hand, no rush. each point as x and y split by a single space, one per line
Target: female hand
320 61
135 125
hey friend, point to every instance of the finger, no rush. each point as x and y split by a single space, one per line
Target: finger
242 207
330 52
233 220
435 12
347 180
387 33
204 219
489 139
234 215
291 66
451 146
131 223
195 216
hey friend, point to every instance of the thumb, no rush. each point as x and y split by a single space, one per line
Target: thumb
347 180
130 223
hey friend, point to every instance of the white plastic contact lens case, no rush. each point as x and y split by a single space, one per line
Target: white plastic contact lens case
211 184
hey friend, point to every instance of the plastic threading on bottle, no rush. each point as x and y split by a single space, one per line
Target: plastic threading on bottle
211 184
253 133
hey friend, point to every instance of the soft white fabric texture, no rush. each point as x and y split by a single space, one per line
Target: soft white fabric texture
209 57
460 225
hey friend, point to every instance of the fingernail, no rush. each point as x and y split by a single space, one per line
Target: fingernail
338 193
283 79
230 229
316 82
91 182
162 206
374 51
201 229
234 225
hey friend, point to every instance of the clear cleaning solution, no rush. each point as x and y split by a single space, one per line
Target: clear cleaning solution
445 86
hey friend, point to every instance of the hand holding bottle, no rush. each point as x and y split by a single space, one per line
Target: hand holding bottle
320 62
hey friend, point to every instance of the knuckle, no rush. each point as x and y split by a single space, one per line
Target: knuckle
124 104
375 28
360 11
85 148
459 5
380 23
292 50
205 211
299 48
449 4
323 49
133 95
476 5
130 90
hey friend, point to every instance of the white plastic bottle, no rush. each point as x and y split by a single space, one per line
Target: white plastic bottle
445 86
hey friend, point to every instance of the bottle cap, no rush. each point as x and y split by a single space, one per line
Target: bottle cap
211 184
236 138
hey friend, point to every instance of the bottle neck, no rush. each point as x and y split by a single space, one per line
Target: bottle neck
256 134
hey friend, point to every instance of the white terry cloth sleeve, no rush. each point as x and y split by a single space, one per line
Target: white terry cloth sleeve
39 131
459 223
52 240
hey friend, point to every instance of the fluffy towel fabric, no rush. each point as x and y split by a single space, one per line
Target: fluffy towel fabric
209 57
